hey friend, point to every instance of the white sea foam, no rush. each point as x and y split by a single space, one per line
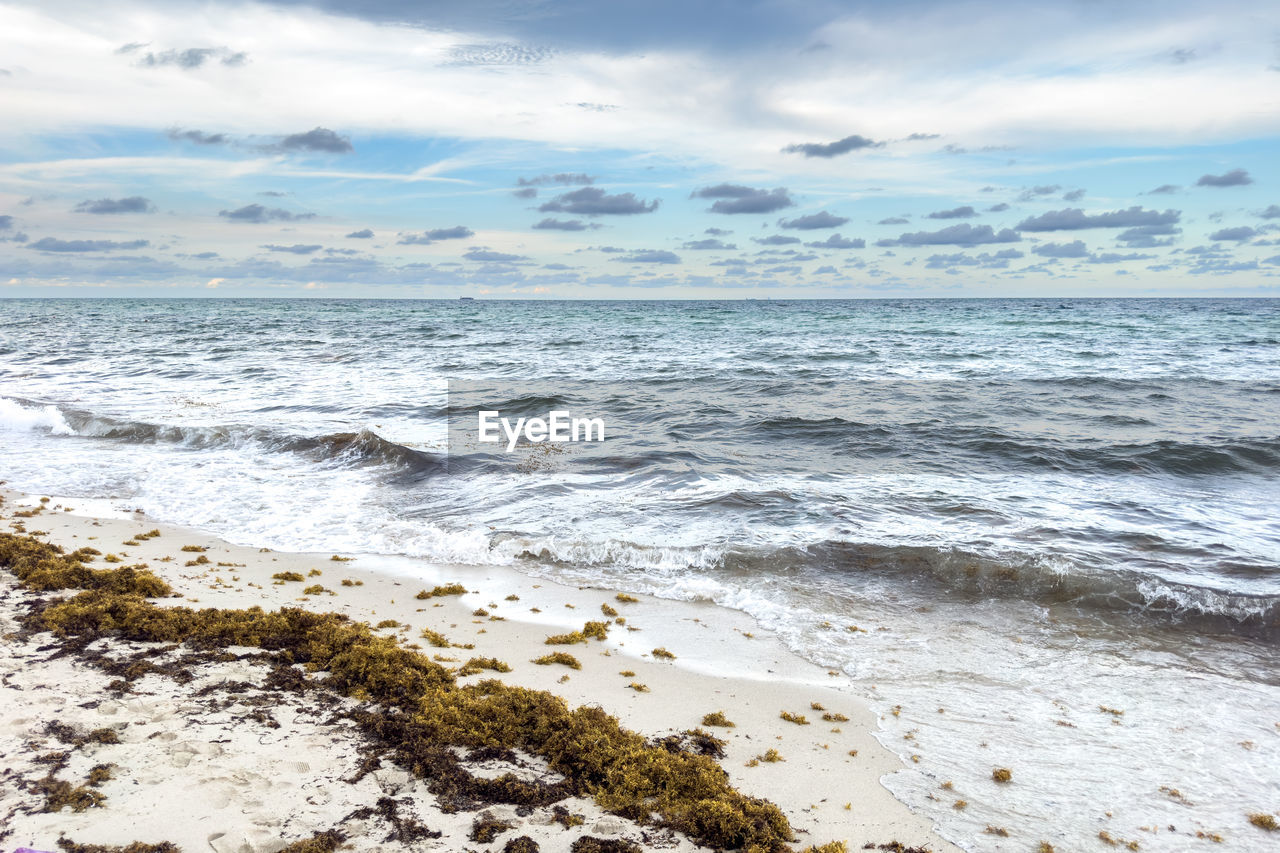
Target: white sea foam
16 417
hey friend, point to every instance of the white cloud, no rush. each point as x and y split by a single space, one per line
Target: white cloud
980 79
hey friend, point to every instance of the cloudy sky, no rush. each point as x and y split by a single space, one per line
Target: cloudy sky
639 148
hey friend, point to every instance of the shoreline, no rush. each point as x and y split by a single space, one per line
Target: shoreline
811 786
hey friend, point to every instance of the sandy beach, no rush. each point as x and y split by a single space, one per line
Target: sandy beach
213 754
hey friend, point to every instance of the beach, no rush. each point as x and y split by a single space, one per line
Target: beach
216 759
999 555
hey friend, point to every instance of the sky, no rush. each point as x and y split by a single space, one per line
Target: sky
719 149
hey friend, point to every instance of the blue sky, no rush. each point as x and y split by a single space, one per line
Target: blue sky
701 148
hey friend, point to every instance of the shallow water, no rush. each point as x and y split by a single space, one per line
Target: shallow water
1031 509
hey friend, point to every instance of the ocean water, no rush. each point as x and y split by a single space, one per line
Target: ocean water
1036 534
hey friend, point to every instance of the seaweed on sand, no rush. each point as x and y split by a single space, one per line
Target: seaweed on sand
561 658
418 709
70 846
447 589
44 567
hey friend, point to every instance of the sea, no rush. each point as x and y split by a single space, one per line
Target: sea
1041 534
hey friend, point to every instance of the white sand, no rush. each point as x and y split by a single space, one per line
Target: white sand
200 773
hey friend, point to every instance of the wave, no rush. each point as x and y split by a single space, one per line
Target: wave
931 571
16 416
344 449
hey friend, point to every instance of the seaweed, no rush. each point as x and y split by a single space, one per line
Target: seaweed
67 734
419 710
574 637
695 741
435 638
520 844
447 589
406 830
626 599
485 828
559 657
1262 820
608 611
100 773
288 576
59 794
1002 775
70 846
322 842
475 665
43 567
771 756
798 719
717 718
592 844
662 653
566 818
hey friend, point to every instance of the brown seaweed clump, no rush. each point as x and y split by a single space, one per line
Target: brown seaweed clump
1262 820
44 567
475 665
599 630
59 794
592 844
322 842
486 828
417 708
435 638
447 589
717 718
70 846
1002 775
559 657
